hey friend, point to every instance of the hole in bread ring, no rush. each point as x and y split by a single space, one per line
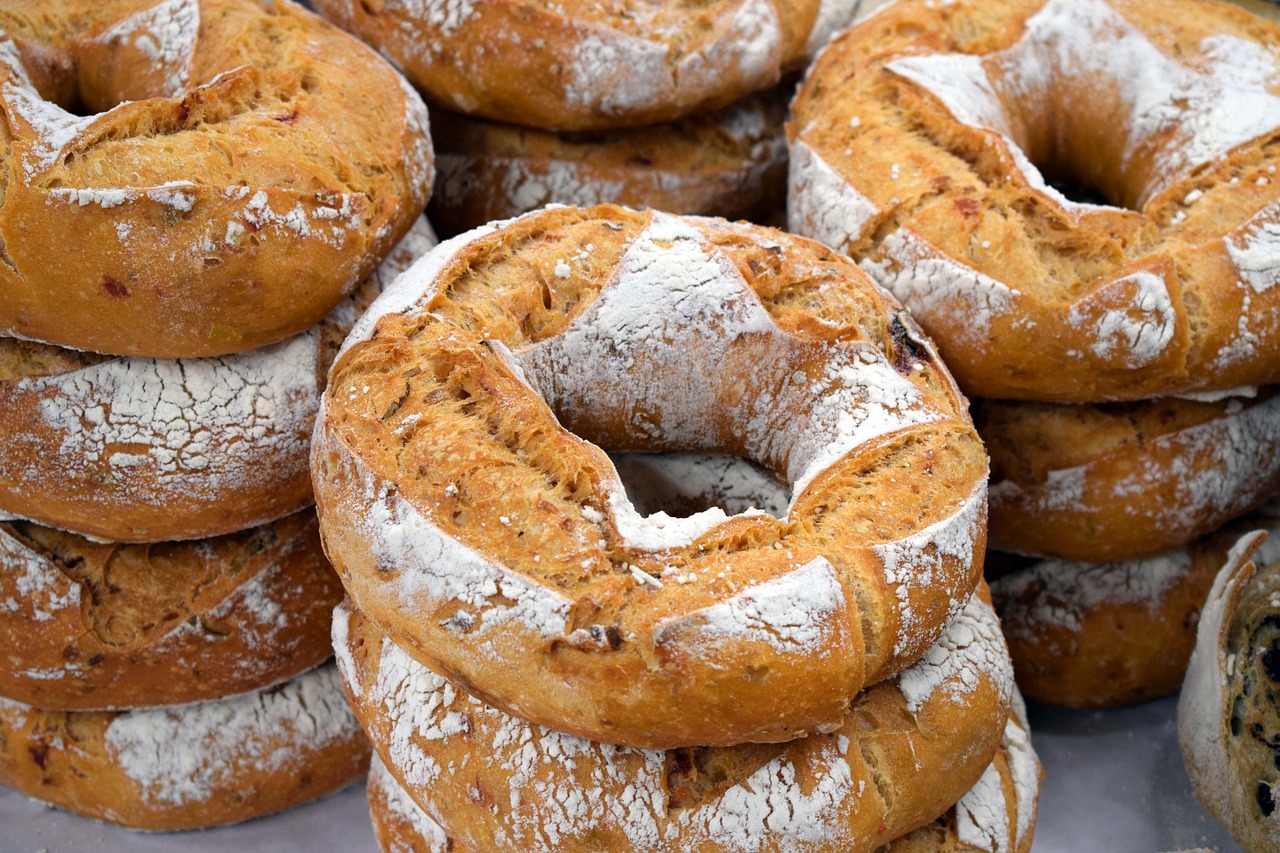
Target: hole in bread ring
486 507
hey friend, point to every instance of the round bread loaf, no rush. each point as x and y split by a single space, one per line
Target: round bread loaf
998 814
905 750
148 450
729 163
470 514
86 625
1125 480
591 66
1101 635
188 767
926 142
1229 709
239 168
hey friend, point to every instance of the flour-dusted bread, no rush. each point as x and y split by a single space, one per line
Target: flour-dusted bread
925 142
1099 635
466 501
138 449
592 66
730 163
240 167
96 625
996 816
1229 709
905 751
192 766
1119 481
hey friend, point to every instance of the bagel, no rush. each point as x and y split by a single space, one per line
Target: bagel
241 168
87 625
998 815
1120 481
729 163
903 753
1102 635
591 66
192 766
1229 708
471 517
146 450
923 141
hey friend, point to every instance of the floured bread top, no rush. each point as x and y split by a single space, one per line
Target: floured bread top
1209 461
192 754
592 66
731 162
479 390
140 597
182 142
163 432
938 166
806 795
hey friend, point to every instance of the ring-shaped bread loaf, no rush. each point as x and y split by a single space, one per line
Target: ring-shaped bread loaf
466 501
239 167
190 766
997 815
88 625
730 163
135 449
1101 635
592 66
925 142
903 753
1229 708
1119 481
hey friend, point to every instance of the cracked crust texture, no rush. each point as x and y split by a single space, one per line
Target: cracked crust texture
1229 709
621 63
998 814
904 751
468 506
241 167
1120 481
1103 635
912 144
87 625
189 767
149 450
729 163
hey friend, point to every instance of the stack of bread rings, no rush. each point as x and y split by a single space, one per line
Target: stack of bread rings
555 649
201 195
1079 201
672 106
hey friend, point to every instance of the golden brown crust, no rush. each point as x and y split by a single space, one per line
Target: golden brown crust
262 165
1104 635
93 625
729 163
1121 481
189 767
496 544
591 66
145 450
1031 296
904 751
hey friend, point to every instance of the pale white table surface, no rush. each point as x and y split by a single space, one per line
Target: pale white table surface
1114 783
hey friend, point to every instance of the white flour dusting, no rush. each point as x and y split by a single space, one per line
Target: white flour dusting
782 805
192 753
166 34
831 209
30 582
402 805
794 614
1255 249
